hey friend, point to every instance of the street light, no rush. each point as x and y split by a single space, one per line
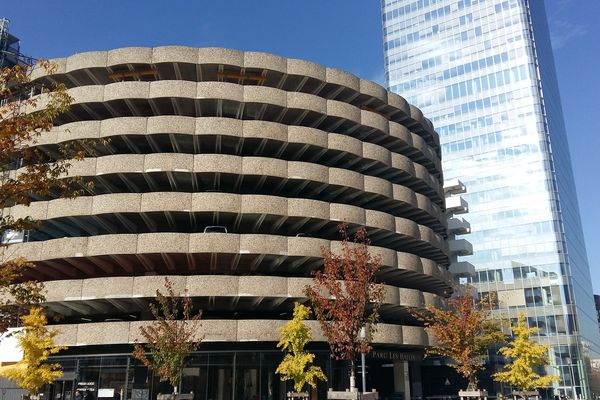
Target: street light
363 335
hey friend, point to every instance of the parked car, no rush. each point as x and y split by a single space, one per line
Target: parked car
10 236
215 229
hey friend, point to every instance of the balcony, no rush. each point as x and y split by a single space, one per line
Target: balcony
458 226
460 247
461 269
454 186
456 205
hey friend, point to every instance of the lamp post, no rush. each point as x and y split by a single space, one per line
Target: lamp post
363 335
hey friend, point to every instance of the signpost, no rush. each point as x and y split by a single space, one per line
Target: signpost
363 362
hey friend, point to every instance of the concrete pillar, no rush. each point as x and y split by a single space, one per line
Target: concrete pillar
402 378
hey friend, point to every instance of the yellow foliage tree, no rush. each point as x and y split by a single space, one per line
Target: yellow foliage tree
525 355
295 366
37 343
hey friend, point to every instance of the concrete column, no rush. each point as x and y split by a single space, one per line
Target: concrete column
402 378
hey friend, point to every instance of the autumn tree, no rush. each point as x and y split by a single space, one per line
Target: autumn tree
27 111
171 337
16 296
463 332
525 355
296 364
345 297
37 344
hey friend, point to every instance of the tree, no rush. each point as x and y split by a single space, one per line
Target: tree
345 297
37 343
463 333
171 337
296 364
16 298
24 117
525 355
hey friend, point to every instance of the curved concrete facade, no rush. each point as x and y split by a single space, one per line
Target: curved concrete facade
278 151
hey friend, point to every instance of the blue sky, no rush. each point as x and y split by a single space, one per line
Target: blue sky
340 33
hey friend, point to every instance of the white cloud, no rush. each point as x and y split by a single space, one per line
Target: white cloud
562 28
564 31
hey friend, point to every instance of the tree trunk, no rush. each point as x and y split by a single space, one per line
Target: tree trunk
473 381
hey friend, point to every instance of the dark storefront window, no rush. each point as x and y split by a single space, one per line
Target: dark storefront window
195 377
138 383
111 382
271 387
88 374
247 376
218 375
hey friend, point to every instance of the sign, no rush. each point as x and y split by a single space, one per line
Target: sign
396 355
191 372
106 393
86 386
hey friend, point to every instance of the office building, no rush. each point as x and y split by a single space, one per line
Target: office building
228 171
483 71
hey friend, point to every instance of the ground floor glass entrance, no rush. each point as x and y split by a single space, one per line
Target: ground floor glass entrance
250 375
214 375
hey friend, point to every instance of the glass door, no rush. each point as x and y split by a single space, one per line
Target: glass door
61 390
220 377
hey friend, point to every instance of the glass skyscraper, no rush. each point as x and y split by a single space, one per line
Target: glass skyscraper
483 72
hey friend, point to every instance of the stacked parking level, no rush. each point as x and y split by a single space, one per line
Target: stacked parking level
276 151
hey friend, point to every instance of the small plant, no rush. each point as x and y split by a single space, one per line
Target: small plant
296 364
171 337
37 344
463 332
525 355
345 297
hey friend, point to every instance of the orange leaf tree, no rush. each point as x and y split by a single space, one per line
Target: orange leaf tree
171 337
463 332
345 297
27 111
